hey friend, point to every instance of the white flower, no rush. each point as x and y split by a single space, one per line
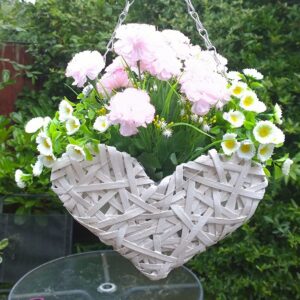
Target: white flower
249 101
86 91
34 125
162 124
47 121
44 143
37 168
65 110
278 114
279 136
253 73
72 125
260 107
246 150
182 112
194 117
286 166
238 88
75 152
201 120
19 179
47 160
101 124
155 88
265 151
167 132
230 144
233 75
235 118
206 127
264 132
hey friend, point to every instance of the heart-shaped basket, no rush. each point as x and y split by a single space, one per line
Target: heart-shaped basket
159 226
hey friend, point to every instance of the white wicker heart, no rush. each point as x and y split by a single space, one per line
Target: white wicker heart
159 226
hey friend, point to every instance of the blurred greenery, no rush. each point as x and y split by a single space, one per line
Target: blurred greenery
259 261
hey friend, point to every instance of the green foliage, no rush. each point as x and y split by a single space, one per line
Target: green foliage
3 245
260 261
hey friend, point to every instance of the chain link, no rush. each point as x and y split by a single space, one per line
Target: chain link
194 15
121 19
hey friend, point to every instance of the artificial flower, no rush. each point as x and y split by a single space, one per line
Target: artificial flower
278 114
131 109
72 125
253 73
101 123
264 132
19 179
238 88
286 166
265 151
229 143
37 168
65 110
75 152
44 143
85 65
246 150
47 160
235 118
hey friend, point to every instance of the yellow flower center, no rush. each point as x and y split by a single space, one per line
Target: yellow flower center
264 131
245 148
248 101
263 150
230 144
234 118
46 144
103 124
237 90
78 151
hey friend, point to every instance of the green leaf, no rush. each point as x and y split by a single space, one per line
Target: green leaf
173 159
267 172
3 244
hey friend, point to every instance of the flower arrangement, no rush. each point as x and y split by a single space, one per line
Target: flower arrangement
162 100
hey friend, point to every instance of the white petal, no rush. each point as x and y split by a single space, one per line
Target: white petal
34 125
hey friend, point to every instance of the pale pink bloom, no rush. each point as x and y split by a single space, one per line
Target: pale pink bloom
165 66
137 42
85 65
131 109
114 78
178 42
200 108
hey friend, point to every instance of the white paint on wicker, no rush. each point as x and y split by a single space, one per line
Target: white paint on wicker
159 226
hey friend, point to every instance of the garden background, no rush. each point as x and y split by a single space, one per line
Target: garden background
259 261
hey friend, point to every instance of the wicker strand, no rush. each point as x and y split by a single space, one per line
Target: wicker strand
159 226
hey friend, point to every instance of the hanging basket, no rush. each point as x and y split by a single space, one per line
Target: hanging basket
159 226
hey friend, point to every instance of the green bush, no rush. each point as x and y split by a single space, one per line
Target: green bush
261 260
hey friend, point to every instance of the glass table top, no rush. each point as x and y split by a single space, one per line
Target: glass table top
102 275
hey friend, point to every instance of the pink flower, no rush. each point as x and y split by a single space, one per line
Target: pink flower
137 42
85 65
131 109
114 78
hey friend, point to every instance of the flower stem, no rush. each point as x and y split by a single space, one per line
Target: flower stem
193 127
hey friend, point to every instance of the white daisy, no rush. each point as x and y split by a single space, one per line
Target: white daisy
65 110
249 101
279 136
286 166
47 160
72 125
19 179
34 125
265 151
47 121
260 107
44 143
75 152
101 124
246 150
233 75
167 132
238 88
278 114
264 132
235 118
230 144
37 168
253 73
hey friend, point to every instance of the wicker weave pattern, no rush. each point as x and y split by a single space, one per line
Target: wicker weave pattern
159 226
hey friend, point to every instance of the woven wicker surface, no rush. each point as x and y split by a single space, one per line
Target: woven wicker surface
159 226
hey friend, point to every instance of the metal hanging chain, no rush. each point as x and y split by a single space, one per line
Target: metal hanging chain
194 15
121 19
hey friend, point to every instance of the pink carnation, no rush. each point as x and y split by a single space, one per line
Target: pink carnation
114 78
85 65
131 109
